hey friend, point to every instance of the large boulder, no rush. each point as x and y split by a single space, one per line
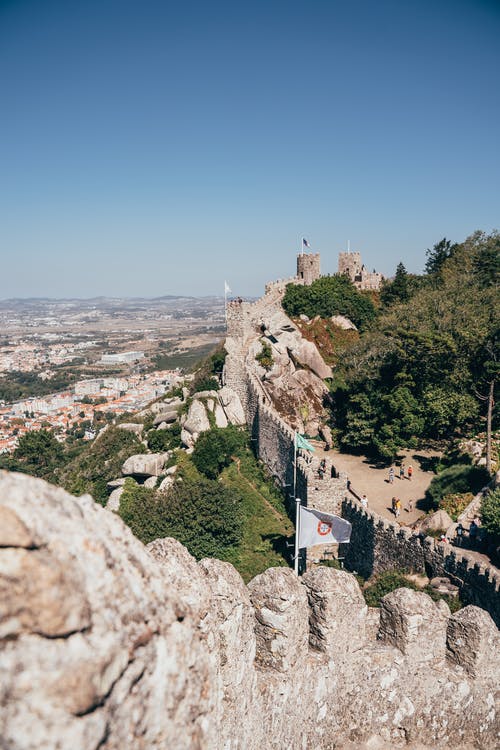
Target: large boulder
306 353
196 422
114 499
342 322
144 465
440 520
299 398
169 417
231 404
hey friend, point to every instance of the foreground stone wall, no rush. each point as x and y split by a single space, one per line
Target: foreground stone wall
378 545
107 644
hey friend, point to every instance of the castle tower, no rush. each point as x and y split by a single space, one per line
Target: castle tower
308 267
350 264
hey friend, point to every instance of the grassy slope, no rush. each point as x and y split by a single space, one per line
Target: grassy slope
266 525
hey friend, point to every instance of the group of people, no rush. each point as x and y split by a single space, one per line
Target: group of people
402 473
476 534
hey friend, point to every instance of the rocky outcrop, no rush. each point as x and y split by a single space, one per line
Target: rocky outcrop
438 521
342 322
144 465
231 405
220 407
107 644
294 381
114 499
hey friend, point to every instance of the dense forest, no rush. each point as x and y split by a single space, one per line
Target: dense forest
425 364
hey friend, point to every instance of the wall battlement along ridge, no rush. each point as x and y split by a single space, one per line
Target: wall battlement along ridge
378 545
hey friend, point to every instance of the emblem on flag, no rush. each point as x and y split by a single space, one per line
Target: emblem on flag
305 242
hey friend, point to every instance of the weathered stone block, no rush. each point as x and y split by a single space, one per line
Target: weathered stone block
473 642
282 613
410 621
337 611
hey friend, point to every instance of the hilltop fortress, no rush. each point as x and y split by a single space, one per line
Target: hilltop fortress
109 645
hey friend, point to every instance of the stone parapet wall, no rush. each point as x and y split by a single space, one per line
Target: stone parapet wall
107 644
479 584
378 545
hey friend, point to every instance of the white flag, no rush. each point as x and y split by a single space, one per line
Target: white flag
316 527
226 287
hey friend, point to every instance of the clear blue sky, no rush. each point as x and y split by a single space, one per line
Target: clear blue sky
150 147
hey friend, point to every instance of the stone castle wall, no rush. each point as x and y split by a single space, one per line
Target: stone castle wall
378 545
107 644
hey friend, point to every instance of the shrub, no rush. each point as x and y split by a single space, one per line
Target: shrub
164 440
265 356
455 503
383 584
458 479
203 515
205 383
490 513
214 448
391 580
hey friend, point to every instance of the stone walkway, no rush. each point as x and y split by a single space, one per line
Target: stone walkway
366 478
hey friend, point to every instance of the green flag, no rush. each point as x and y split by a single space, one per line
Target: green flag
301 442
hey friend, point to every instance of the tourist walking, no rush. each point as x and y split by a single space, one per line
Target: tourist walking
410 472
364 501
391 475
402 471
409 507
398 507
393 503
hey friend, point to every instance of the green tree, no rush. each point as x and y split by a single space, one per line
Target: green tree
214 449
202 514
457 479
37 453
397 290
486 263
99 463
439 255
327 296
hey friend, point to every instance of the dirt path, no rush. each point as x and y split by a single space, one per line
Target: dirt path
366 478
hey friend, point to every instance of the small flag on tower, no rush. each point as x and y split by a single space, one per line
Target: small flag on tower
227 288
305 243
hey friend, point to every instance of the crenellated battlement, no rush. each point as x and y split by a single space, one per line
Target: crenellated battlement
183 654
378 544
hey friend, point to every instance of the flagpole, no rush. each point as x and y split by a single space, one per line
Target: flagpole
297 504
297 530
294 465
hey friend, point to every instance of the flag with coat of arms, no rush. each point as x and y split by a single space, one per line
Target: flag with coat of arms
316 527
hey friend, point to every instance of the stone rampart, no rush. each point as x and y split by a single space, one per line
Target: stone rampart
378 545
107 644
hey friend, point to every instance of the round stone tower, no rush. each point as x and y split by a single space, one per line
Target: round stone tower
308 267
